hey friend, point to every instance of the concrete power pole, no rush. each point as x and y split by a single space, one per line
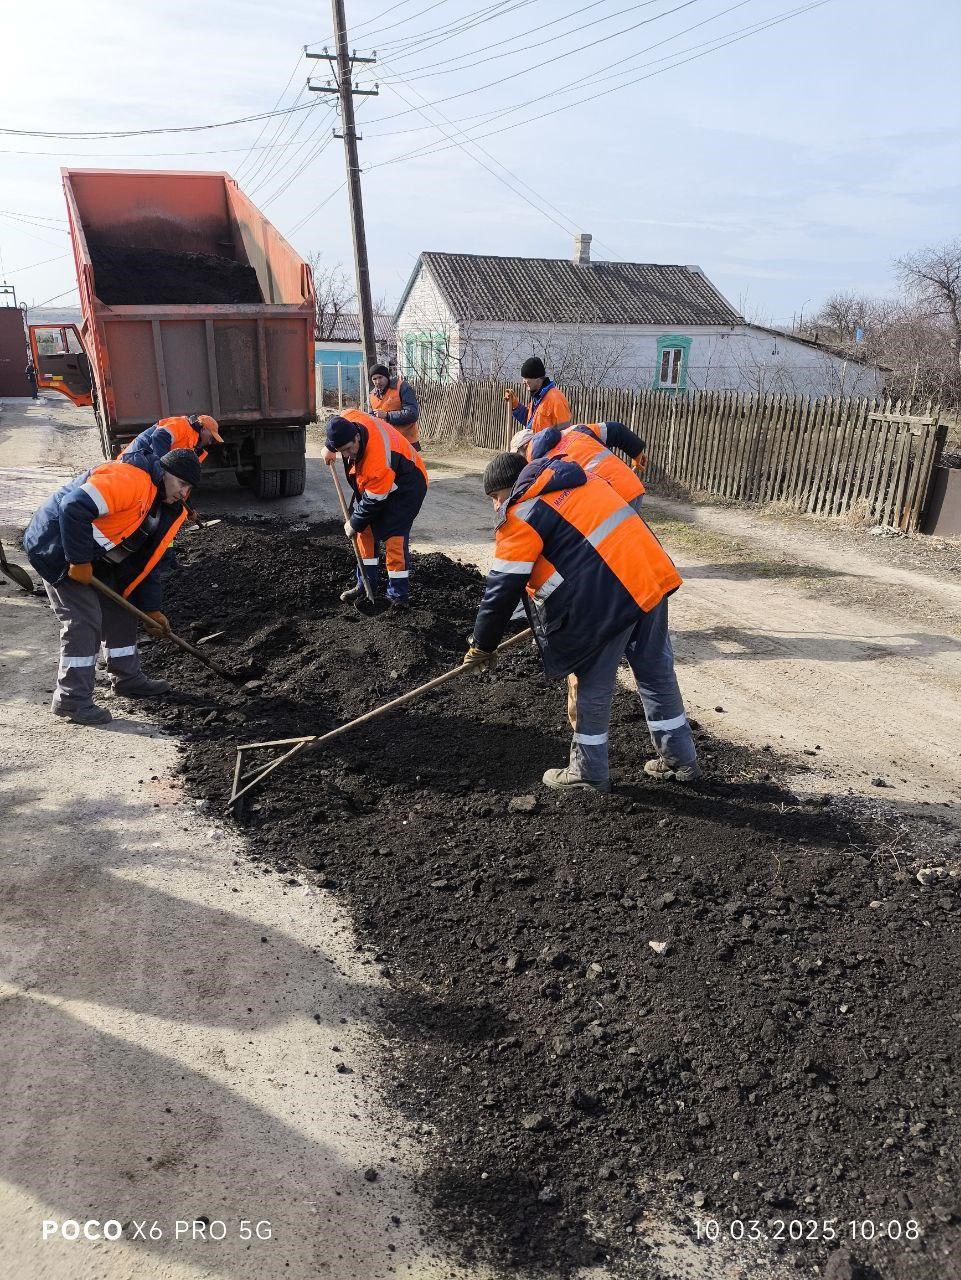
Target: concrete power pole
346 91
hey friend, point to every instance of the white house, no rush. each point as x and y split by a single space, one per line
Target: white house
603 324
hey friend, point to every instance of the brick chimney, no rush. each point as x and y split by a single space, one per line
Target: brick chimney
582 248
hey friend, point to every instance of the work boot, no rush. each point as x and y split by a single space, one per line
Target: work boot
89 716
564 780
351 594
668 771
141 687
398 606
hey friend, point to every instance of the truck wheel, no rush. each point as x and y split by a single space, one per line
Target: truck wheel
294 481
267 482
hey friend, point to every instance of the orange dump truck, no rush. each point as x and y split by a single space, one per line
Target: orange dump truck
192 303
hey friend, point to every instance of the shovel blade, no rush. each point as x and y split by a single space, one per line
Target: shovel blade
18 575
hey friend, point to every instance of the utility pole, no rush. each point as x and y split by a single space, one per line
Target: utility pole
346 91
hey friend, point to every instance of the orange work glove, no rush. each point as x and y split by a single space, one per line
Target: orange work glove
82 573
161 625
511 399
640 463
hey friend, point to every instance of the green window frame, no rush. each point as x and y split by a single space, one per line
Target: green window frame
670 368
425 356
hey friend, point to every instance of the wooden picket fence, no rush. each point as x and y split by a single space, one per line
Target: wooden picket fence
821 456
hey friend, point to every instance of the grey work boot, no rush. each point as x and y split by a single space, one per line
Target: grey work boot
141 687
90 716
564 780
667 771
351 594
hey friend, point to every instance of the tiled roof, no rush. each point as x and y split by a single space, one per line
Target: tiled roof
559 291
347 328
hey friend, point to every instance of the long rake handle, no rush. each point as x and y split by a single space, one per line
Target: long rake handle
149 622
410 696
355 540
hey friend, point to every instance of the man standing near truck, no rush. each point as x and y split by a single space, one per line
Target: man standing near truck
197 432
118 519
393 401
389 480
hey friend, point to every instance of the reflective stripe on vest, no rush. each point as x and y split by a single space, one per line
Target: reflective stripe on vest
123 495
581 445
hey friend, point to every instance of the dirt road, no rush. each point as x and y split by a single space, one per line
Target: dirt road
141 1080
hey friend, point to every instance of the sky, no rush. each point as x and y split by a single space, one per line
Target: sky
787 158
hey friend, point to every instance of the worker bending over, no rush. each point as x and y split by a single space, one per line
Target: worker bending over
389 483
590 447
117 520
197 432
547 406
598 582
393 401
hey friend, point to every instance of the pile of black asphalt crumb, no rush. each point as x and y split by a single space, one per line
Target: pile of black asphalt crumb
152 277
616 1020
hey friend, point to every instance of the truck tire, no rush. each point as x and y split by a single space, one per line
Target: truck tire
267 482
293 481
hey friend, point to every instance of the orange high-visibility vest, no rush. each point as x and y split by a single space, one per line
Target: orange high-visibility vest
596 515
583 445
390 402
124 495
552 411
373 472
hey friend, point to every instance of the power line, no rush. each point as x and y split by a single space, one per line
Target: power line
33 217
32 235
568 226
471 55
493 84
34 306
467 22
717 45
303 166
269 164
263 127
94 134
57 258
316 209
282 128
596 77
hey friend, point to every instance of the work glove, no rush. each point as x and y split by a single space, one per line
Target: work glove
330 456
349 530
160 624
511 399
480 658
640 463
82 573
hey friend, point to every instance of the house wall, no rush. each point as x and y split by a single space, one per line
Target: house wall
429 342
738 358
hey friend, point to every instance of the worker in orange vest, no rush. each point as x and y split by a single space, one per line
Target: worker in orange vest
598 583
197 432
393 401
591 448
547 406
118 520
389 483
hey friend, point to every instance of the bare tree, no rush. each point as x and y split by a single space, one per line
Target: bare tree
335 296
934 277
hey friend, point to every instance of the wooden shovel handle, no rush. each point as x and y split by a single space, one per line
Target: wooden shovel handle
149 622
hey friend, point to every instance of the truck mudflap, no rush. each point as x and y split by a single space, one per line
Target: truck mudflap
279 448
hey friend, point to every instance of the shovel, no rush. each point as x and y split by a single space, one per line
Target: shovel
369 605
232 676
243 783
16 574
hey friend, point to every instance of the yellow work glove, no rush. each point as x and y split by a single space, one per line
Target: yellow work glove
82 573
160 624
480 658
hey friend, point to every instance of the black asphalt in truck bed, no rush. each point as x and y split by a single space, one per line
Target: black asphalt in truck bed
151 277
